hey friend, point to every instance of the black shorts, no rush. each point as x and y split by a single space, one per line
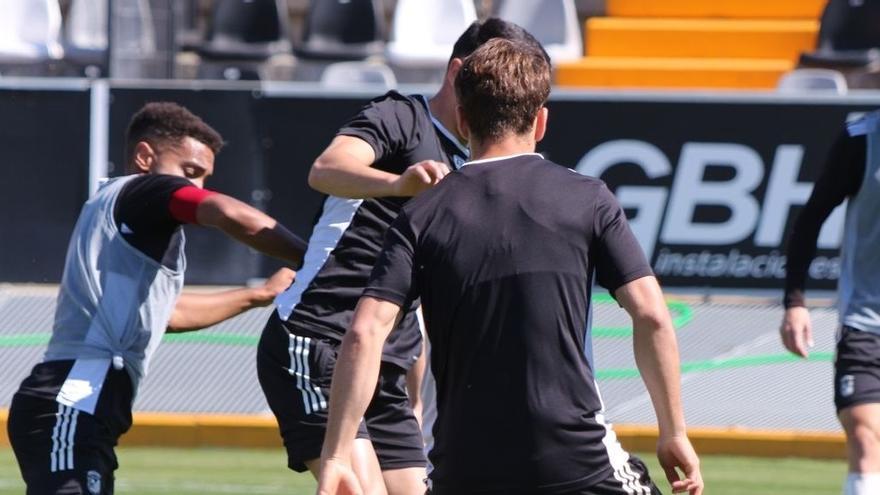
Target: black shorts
629 478
856 368
295 370
61 450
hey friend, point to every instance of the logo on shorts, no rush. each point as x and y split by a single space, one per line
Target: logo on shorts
93 482
847 385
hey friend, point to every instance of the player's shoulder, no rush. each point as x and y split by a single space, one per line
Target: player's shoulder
393 106
150 181
395 101
566 175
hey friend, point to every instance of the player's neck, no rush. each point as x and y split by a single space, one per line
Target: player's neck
506 146
442 107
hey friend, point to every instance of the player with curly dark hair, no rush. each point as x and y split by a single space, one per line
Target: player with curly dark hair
121 291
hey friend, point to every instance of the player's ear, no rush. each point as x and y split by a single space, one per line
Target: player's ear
143 158
541 123
452 71
461 123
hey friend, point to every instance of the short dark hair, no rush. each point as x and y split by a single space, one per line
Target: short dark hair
501 87
162 123
480 32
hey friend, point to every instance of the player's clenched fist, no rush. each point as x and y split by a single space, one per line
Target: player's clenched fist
337 478
416 178
274 285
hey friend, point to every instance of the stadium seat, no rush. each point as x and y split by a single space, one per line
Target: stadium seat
85 35
346 74
681 73
133 40
246 30
726 9
553 22
244 41
342 30
849 37
721 38
30 31
424 32
800 80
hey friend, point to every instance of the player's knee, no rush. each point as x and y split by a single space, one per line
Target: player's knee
865 437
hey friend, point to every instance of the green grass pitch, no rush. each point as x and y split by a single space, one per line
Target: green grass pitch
155 471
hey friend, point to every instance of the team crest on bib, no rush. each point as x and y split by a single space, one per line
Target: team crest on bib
847 385
93 482
458 161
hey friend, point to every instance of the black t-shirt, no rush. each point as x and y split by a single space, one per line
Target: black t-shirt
503 255
143 216
402 132
841 178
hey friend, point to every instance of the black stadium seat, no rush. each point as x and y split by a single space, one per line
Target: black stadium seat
246 30
342 30
849 36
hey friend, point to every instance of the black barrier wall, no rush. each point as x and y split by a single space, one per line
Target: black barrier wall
711 187
44 165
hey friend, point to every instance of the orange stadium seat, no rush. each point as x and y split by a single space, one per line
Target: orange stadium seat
736 44
736 9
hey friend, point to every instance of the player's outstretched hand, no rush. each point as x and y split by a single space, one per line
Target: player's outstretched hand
274 285
419 177
676 454
337 478
797 331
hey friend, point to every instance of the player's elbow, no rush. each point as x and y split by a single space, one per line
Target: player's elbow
651 318
363 333
179 323
318 175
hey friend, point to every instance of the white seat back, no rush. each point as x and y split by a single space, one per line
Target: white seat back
553 22
30 30
425 31
800 80
87 24
346 74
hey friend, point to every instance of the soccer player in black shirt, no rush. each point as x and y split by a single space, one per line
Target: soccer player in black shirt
397 147
503 254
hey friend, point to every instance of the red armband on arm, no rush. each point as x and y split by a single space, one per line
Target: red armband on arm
185 201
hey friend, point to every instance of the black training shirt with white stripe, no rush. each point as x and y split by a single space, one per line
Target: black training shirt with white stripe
503 254
347 236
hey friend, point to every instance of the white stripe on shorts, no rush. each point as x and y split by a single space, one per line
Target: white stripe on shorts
70 436
61 457
313 398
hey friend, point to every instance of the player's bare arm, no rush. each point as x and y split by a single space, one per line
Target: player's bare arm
195 310
414 378
345 170
656 352
357 371
250 226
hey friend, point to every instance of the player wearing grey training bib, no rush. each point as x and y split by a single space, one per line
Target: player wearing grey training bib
120 290
852 173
